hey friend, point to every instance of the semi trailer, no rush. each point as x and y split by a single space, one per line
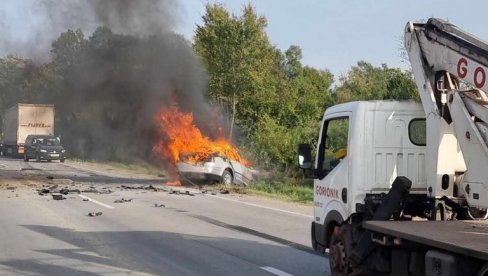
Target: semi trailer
22 120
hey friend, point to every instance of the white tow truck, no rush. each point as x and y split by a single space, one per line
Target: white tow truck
401 188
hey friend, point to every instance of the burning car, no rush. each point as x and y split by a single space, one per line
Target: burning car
195 157
215 168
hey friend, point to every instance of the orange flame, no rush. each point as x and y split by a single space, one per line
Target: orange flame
184 138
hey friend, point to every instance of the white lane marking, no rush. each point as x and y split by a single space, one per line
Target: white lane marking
474 233
265 207
275 271
97 202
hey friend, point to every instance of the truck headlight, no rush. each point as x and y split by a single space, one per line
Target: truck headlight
43 150
63 151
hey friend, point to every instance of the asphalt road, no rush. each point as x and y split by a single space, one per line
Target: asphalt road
196 234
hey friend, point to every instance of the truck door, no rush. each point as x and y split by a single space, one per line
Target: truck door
331 184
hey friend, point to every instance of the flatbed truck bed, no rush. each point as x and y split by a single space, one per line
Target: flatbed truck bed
469 238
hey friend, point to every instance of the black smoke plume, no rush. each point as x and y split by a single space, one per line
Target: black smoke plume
109 86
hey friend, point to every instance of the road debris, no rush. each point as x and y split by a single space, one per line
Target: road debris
43 191
11 188
178 192
53 187
57 196
95 191
95 214
224 192
159 205
50 177
123 200
85 199
54 190
66 191
150 187
90 190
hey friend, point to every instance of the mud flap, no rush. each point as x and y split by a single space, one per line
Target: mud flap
391 202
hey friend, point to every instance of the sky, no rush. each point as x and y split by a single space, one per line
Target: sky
333 34
336 34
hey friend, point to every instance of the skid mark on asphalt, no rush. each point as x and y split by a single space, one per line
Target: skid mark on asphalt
264 207
275 271
256 233
97 202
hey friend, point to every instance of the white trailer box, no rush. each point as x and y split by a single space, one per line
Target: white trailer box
22 120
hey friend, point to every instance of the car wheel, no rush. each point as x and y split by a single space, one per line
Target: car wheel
38 157
227 178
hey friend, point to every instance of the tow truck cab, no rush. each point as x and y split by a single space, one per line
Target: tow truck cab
362 147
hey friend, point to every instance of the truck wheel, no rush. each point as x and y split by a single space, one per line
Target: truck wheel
25 157
61 160
484 270
38 157
227 178
337 253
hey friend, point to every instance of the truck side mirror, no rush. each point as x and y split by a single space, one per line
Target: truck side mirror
304 156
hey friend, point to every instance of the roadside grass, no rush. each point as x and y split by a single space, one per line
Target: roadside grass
290 190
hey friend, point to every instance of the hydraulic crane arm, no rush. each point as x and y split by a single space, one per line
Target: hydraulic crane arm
444 59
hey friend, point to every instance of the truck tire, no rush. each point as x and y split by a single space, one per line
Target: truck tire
484 270
38 157
26 159
61 160
227 178
337 253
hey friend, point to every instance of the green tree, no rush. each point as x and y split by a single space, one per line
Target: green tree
366 82
24 81
276 100
68 49
296 114
241 63
292 64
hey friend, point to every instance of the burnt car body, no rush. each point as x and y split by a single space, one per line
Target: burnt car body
213 169
43 147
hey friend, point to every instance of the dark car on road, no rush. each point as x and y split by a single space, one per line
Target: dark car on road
44 147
